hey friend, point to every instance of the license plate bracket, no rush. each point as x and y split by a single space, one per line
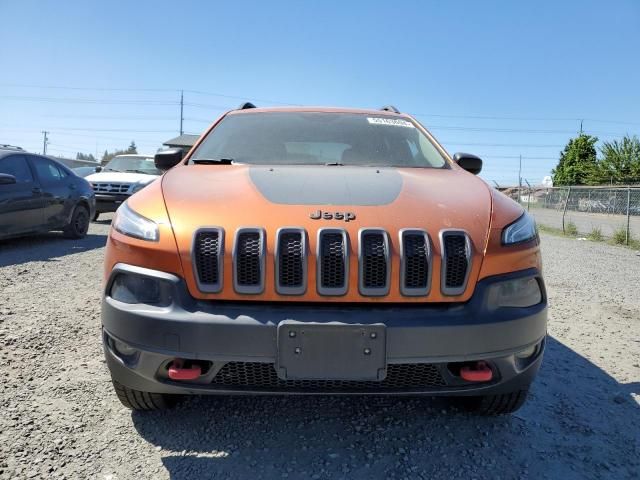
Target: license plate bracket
331 351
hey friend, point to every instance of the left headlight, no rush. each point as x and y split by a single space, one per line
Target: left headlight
134 225
520 231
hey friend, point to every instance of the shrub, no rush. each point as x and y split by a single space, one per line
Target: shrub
571 229
595 235
620 236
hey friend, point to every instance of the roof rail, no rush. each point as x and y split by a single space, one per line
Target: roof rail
390 108
246 105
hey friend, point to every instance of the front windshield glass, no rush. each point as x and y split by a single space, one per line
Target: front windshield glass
133 165
318 138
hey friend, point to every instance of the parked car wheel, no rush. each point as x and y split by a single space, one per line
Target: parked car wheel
137 400
79 224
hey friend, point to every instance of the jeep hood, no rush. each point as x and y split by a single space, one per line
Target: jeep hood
234 196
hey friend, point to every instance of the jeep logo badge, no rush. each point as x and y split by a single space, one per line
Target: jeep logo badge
319 214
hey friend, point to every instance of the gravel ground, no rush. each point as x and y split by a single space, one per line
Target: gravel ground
61 419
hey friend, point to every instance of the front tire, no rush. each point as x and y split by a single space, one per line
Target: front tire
490 405
138 400
79 223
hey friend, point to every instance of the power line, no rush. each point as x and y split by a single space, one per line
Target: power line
91 101
576 118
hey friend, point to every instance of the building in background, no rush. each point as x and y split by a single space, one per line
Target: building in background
185 141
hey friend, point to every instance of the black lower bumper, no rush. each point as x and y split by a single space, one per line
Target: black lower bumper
424 344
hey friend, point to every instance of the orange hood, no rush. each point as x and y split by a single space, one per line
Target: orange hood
270 197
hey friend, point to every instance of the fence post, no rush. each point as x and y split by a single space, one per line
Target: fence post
628 234
564 212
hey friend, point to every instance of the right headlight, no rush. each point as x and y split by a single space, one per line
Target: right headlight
520 231
134 225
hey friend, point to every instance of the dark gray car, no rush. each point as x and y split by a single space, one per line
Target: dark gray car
39 194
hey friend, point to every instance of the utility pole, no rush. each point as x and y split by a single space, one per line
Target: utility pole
581 127
45 140
519 178
181 111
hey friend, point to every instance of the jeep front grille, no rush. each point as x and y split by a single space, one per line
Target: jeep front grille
248 261
333 266
207 259
291 261
456 261
255 376
415 262
374 262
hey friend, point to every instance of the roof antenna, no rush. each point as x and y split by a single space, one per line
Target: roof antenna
246 105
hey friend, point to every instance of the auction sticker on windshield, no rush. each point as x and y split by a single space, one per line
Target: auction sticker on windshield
396 122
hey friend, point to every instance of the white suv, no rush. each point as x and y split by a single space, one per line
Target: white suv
123 176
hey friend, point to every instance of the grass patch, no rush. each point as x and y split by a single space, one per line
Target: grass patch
571 229
620 236
620 240
595 235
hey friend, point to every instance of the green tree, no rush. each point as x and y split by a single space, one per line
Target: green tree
107 156
577 164
620 161
84 156
132 147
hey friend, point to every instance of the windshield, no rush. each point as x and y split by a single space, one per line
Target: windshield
304 138
133 164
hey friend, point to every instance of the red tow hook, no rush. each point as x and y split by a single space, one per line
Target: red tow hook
480 372
176 372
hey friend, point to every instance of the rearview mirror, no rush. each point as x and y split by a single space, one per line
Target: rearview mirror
6 179
468 162
166 159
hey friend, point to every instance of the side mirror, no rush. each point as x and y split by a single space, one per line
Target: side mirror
98 169
166 159
468 162
6 179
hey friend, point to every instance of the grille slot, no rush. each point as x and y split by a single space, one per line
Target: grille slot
248 261
456 261
333 267
291 261
256 376
415 262
374 262
208 247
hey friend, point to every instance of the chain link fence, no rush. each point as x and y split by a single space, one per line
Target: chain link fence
596 212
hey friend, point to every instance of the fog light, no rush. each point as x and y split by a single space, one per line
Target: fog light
128 288
520 292
122 348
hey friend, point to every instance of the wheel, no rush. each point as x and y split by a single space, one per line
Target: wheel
79 224
95 217
137 400
495 404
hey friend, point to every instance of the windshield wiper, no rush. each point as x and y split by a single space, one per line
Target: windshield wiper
212 161
137 171
111 170
334 164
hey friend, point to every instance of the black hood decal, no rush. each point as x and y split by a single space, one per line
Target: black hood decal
327 185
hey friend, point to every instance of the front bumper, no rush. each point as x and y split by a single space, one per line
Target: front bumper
109 203
241 338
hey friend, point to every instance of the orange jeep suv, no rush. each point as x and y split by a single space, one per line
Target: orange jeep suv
322 251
